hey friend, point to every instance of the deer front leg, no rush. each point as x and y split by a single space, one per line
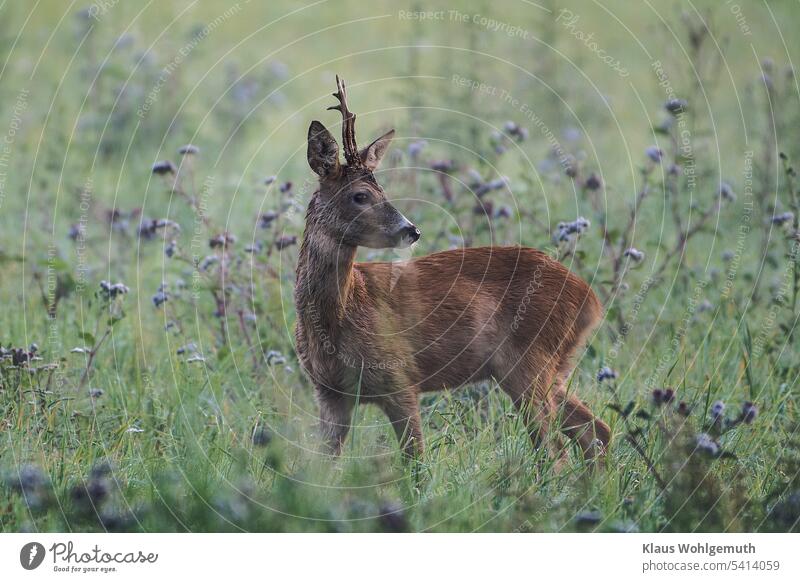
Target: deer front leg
335 414
403 413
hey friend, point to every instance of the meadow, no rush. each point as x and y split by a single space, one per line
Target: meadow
153 184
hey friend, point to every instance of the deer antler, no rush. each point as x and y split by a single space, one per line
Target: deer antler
348 125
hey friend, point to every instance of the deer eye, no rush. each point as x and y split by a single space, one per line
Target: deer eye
360 197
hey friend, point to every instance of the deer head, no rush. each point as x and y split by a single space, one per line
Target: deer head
352 208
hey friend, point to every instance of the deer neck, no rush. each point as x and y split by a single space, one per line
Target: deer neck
325 279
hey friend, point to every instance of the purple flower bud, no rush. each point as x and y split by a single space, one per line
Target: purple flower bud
675 106
749 412
658 396
654 153
606 373
707 444
717 411
163 168
188 150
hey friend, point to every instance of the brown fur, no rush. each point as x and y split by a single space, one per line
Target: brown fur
382 333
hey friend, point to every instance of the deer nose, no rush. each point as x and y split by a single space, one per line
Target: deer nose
410 232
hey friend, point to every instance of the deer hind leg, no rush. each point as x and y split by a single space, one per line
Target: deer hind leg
335 416
402 411
534 399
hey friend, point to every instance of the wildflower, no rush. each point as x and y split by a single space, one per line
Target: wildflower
658 396
475 178
707 444
160 298
190 347
261 436
503 212
717 411
593 182
784 218
635 255
266 219
675 106
75 231
705 305
669 395
95 393
684 409
91 493
392 517
188 150
592 517
726 192
606 373
665 126
654 153
110 291
749 412
674 170
566 230
415 147
171 248
571 167
195 359
28 479
285 241
207 262
163 168
269 180
443 165
495 184
484 207
275 358
728 255
254 248
515 130
222 241
285 187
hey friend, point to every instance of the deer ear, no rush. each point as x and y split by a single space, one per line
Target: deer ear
323 151
372 154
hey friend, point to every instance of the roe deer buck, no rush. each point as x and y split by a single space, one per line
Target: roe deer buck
382 333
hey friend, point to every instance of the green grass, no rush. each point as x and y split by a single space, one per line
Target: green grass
229 443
